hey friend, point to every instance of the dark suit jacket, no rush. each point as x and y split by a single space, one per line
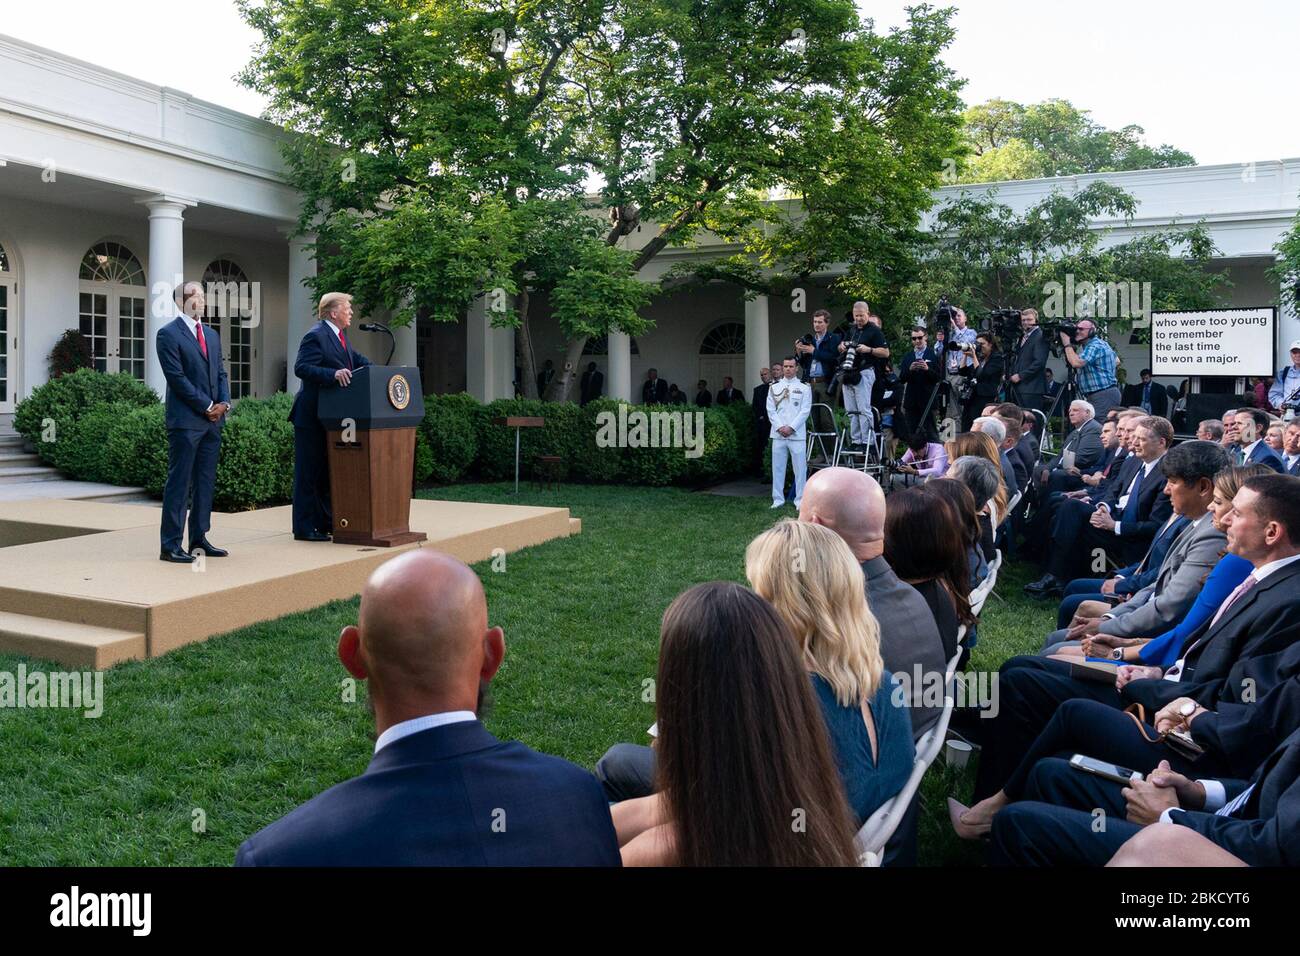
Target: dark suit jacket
1243 655
591 386
193 382
1262 454
828 353
1153 507
988 378
450 796
320 355
1027 453
759 404
1241 736
919 383
654 393
725 397
1159 398
1031 364
1265 830
1085 442
909 636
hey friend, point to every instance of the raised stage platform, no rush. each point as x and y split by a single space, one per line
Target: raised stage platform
81 583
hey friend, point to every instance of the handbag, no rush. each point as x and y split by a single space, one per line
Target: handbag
1179 741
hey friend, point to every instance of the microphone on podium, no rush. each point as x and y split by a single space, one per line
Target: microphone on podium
380 327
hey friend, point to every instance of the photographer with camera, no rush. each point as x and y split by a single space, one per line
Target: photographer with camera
818 355
958 355
856 374
1096 363
1028 376
985 377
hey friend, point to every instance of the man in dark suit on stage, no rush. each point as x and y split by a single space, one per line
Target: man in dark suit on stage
440 790
198 397
325 360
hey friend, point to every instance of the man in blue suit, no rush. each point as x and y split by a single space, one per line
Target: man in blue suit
325 360
1252 426
440 790
198 397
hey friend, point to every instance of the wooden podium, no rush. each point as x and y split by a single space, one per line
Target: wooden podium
370 436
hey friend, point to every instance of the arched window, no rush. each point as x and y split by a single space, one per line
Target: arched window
112 262
111 311
599 345
725 339
4 260
232 308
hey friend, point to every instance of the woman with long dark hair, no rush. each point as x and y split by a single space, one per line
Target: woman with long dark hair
925 544
961 498
745 773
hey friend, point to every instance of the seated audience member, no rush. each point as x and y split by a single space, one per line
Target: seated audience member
423 645
1045 800
1233 656
1229 572
923 544
741 741
1023 451
1252 427
983 446
924 459
1189 472
1122 525
1275 440
994 428
1081 451
960 497
982 478
1291 449
1029 436
1210 430
852 504
809 575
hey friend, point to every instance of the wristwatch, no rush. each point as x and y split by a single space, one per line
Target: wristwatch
1117 654
1187 709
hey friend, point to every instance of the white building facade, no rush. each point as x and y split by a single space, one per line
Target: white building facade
112 189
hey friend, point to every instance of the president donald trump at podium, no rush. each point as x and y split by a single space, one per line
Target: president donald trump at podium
325 360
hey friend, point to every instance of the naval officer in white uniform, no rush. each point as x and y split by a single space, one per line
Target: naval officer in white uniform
788 403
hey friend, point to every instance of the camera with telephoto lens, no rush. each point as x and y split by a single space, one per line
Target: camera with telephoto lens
849 371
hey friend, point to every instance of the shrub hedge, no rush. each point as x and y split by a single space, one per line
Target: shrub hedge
110 428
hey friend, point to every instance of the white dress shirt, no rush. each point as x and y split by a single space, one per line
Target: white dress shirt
1123 499
418 724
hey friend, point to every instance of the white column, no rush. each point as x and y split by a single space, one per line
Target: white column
489 354
302 308
620 366
404 336
166 273
757 341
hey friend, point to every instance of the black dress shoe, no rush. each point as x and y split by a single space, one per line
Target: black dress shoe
1044 586
178 557
209 550
311 536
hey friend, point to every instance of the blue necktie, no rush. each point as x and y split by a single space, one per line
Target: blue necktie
1131 507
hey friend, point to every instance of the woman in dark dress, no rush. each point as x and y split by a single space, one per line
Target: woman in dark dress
986 375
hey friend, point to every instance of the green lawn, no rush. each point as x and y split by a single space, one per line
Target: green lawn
198 749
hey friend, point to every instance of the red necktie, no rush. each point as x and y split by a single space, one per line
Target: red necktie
344 341
203 346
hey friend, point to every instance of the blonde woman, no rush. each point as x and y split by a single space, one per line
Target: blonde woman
810 576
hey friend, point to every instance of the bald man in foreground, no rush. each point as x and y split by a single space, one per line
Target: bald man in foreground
852 504
440 790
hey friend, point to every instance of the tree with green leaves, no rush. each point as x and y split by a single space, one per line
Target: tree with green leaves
1286 270
1008 140
454 146
983 255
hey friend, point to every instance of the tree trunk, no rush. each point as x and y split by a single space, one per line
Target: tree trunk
524 345
563 381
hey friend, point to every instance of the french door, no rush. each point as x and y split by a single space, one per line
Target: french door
112 318
8 345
